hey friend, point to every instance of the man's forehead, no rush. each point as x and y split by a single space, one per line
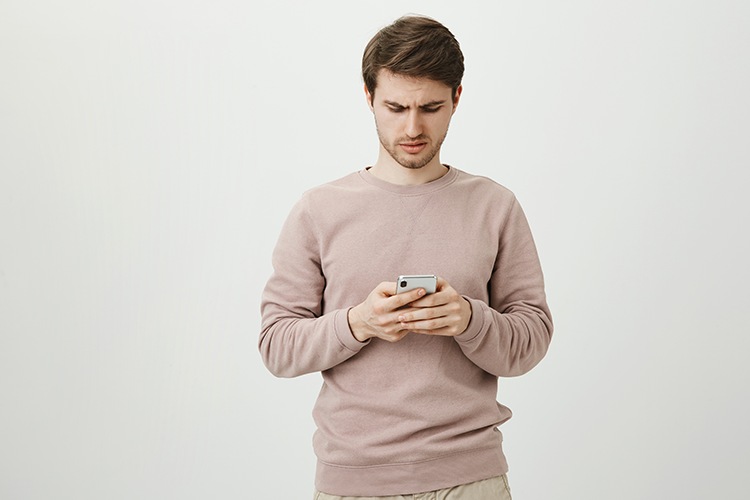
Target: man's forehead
393 86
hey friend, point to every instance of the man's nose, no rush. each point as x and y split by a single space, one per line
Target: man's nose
413 124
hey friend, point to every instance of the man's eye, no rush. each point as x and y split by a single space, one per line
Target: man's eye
396 110
431 110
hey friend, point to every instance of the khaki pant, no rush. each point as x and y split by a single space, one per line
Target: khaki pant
495 488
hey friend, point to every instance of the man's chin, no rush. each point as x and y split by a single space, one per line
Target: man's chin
412 166
412 163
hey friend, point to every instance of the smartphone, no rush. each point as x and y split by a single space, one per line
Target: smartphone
410 282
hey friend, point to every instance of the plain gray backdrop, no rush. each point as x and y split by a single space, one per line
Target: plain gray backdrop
151 150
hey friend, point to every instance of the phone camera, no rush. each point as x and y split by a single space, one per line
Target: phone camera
403 284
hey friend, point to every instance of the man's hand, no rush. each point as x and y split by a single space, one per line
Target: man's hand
444 313
378 316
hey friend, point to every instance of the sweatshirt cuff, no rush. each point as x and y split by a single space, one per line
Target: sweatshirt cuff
476 323
344 332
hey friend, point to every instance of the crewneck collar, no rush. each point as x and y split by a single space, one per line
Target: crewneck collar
418 189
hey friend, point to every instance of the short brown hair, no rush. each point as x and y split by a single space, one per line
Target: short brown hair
414 46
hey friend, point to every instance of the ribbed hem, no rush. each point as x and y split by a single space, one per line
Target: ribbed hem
344 332
476 323
409 478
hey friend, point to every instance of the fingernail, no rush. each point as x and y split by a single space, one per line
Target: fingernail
401 318
421 291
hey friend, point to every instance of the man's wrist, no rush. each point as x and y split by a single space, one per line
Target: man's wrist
355 323
471 326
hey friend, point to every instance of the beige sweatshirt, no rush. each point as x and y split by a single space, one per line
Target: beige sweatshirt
419 414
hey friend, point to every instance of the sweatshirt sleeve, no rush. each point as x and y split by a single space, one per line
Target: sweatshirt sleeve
296 338
511 334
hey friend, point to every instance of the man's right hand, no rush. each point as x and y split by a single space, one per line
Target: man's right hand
378 315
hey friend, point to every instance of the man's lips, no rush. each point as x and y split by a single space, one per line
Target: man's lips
413 147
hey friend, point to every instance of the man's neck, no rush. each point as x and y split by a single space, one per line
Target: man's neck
388 170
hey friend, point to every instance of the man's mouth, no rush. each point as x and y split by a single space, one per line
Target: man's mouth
413 147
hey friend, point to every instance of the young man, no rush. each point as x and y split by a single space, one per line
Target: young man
409 380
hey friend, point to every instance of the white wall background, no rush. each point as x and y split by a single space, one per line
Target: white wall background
150 151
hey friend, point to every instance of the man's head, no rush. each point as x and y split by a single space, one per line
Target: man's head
416 66
414 47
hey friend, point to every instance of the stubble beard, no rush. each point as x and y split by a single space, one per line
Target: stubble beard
404 159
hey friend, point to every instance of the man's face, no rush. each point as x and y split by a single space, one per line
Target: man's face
412 117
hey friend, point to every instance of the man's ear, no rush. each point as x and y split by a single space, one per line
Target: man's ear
369 98
456 97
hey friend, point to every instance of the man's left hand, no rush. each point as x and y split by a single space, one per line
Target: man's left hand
444 312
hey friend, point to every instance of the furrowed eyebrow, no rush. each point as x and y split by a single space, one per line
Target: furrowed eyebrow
395 105
432 104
